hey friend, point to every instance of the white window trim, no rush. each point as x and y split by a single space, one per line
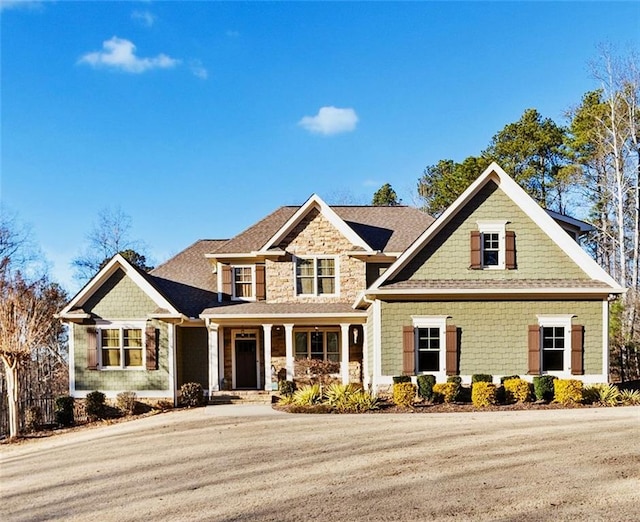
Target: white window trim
433 321
233 283
121 325
336 266
493 227
563 321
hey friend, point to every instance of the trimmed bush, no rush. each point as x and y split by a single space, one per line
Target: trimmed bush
483 394
446 391
481 377
64 410
287 388
404 394
397 379
191 394
425 386
508 378
126 402
567 391
516 390
94 405
543 387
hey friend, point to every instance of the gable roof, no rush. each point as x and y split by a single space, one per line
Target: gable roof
384 229
315 202
74 309
546 222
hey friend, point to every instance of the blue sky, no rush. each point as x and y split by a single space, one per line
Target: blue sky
199 118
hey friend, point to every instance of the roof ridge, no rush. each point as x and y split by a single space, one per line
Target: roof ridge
183 251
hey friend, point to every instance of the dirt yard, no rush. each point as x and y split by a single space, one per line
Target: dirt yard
208 464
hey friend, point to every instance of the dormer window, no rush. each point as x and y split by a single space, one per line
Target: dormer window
492 246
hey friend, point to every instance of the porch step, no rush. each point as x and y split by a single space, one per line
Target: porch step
241 397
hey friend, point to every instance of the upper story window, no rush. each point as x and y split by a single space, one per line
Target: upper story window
492 246
243 282
316 276
121 347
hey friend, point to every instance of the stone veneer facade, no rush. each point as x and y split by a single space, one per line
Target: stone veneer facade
314 236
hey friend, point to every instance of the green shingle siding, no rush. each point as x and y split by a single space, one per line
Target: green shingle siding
120 298
120 380
447 256
494 333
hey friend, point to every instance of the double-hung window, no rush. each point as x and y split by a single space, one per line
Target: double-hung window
321 344
121 347
555 342
316 276
430 342
492 243
243 282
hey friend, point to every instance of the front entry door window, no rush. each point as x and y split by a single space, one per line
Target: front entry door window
246 347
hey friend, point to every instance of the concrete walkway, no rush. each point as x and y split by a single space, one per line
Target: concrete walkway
242 410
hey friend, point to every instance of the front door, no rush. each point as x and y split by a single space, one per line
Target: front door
246 348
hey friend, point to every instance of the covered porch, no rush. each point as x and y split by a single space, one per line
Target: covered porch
251 346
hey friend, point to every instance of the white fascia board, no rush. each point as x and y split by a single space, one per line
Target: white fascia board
518 195
316 201
557 234
435 227
492 291
101 277
346 315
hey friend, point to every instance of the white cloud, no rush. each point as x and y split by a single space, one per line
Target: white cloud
146 18
371 183
198 69
119 53
330 120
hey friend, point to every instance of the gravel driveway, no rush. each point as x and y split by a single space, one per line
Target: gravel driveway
211 464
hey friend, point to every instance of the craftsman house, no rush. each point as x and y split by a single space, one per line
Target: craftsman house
495 285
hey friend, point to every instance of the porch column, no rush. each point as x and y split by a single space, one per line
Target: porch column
267 356
288 343
214 378
344 343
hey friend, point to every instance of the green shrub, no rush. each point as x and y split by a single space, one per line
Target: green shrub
287 388
459 390
404 394
64 410
33 418
508 378
483 394
126 402
516 390
481 377
307 395
591 393
543 387
446 391
95 406
191 394
425 386
397 379
567 391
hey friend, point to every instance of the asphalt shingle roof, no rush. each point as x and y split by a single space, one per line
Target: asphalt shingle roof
187 279
388 229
